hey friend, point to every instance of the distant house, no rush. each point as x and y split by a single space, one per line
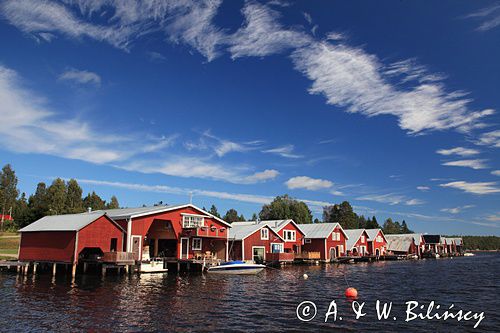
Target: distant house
377 243
68 238
453 244
5 217
404 244
329 239
253 241
433 244
357 242
286 229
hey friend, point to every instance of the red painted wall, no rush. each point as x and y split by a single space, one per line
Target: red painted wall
298 238
318 245
373 245
98 234
255 240
360 243
47 246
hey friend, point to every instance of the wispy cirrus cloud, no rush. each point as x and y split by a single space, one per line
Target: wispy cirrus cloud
461 151
489 16
80 76
495 172
481 188
308 183
391 199
423 188
456 210
491 139
284 151
473 164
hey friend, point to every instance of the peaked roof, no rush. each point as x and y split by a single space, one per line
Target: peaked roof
127 213
372 233
275 225
241 230
68 222
319 230
352 237
432 239
400 243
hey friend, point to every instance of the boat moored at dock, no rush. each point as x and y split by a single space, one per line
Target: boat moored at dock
236 267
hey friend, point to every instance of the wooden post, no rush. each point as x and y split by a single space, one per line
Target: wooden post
85 267
73 269
54 269
26 268
178 266
103 270
34 268
127 268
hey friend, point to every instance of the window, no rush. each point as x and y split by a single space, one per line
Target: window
192 221
362 238
264 234
341 249
114 245
336 236
196 244
277 248
307 241
289 235
379 239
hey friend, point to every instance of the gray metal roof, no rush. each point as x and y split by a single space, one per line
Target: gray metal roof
400 243
125 213
352 237
240 231
318 230
275 225
68 222
372 233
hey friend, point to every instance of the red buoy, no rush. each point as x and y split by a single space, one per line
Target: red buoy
351 293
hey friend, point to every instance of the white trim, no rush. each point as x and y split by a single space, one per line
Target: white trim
267 234
139 257
187 247
294 232
282 247
330 252
199 215
326 257
75 258
307 240
259 247
242 250
192 244
129 234
227 249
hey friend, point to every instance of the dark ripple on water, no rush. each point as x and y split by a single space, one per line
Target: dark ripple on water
262 303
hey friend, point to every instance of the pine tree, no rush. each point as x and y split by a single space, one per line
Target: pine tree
22 213
8 190
113 204
38 202
342 214
56 197
93 201
213 211
254 217
74 202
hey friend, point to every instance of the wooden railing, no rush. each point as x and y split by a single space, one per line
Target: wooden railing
308 255
118 257
281 257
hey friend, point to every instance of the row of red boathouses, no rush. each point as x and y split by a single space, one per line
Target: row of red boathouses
189 233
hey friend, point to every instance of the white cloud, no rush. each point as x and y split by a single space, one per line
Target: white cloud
423 188
456 210
391 199
490 17
304 182
222 147
351 78
495 172
493 218
262 35
156 56
458 151
284 151
489 139
475 188
263 176
80 76
474 164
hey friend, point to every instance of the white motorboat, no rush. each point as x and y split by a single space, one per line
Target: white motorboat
155 265
236 267
468 254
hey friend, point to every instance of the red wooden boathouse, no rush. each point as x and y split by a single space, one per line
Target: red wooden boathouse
377 242
256 242
357 242
329 239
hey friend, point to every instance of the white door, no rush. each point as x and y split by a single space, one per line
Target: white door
184 248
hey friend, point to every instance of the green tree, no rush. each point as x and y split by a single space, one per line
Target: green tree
113 204
372 223
232 216
242 218
74 202
56 197
213 211
93 201
254 217
390 227
405 229
38 202
22 212
8 190
285 207
342 214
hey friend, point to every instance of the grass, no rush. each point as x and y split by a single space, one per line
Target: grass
9 244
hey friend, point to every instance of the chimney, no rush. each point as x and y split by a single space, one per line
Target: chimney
89 210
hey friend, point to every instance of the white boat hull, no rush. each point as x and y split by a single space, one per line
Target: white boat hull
237 269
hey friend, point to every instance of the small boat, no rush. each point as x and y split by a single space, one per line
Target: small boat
468 254
155 265
236 267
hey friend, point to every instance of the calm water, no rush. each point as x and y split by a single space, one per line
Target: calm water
264 303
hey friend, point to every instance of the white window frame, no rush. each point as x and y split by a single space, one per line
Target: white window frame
192 221
193 242
290 232
341 249
379 239
362 238
307 241
282 248
266 232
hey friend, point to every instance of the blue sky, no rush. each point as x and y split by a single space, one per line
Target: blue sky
391 105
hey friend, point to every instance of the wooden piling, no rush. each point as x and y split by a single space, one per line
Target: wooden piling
73 270
54 269
34 268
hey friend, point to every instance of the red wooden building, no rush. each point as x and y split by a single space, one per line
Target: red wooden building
377 243
357 242
177 232
254 241
329 239
67 238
